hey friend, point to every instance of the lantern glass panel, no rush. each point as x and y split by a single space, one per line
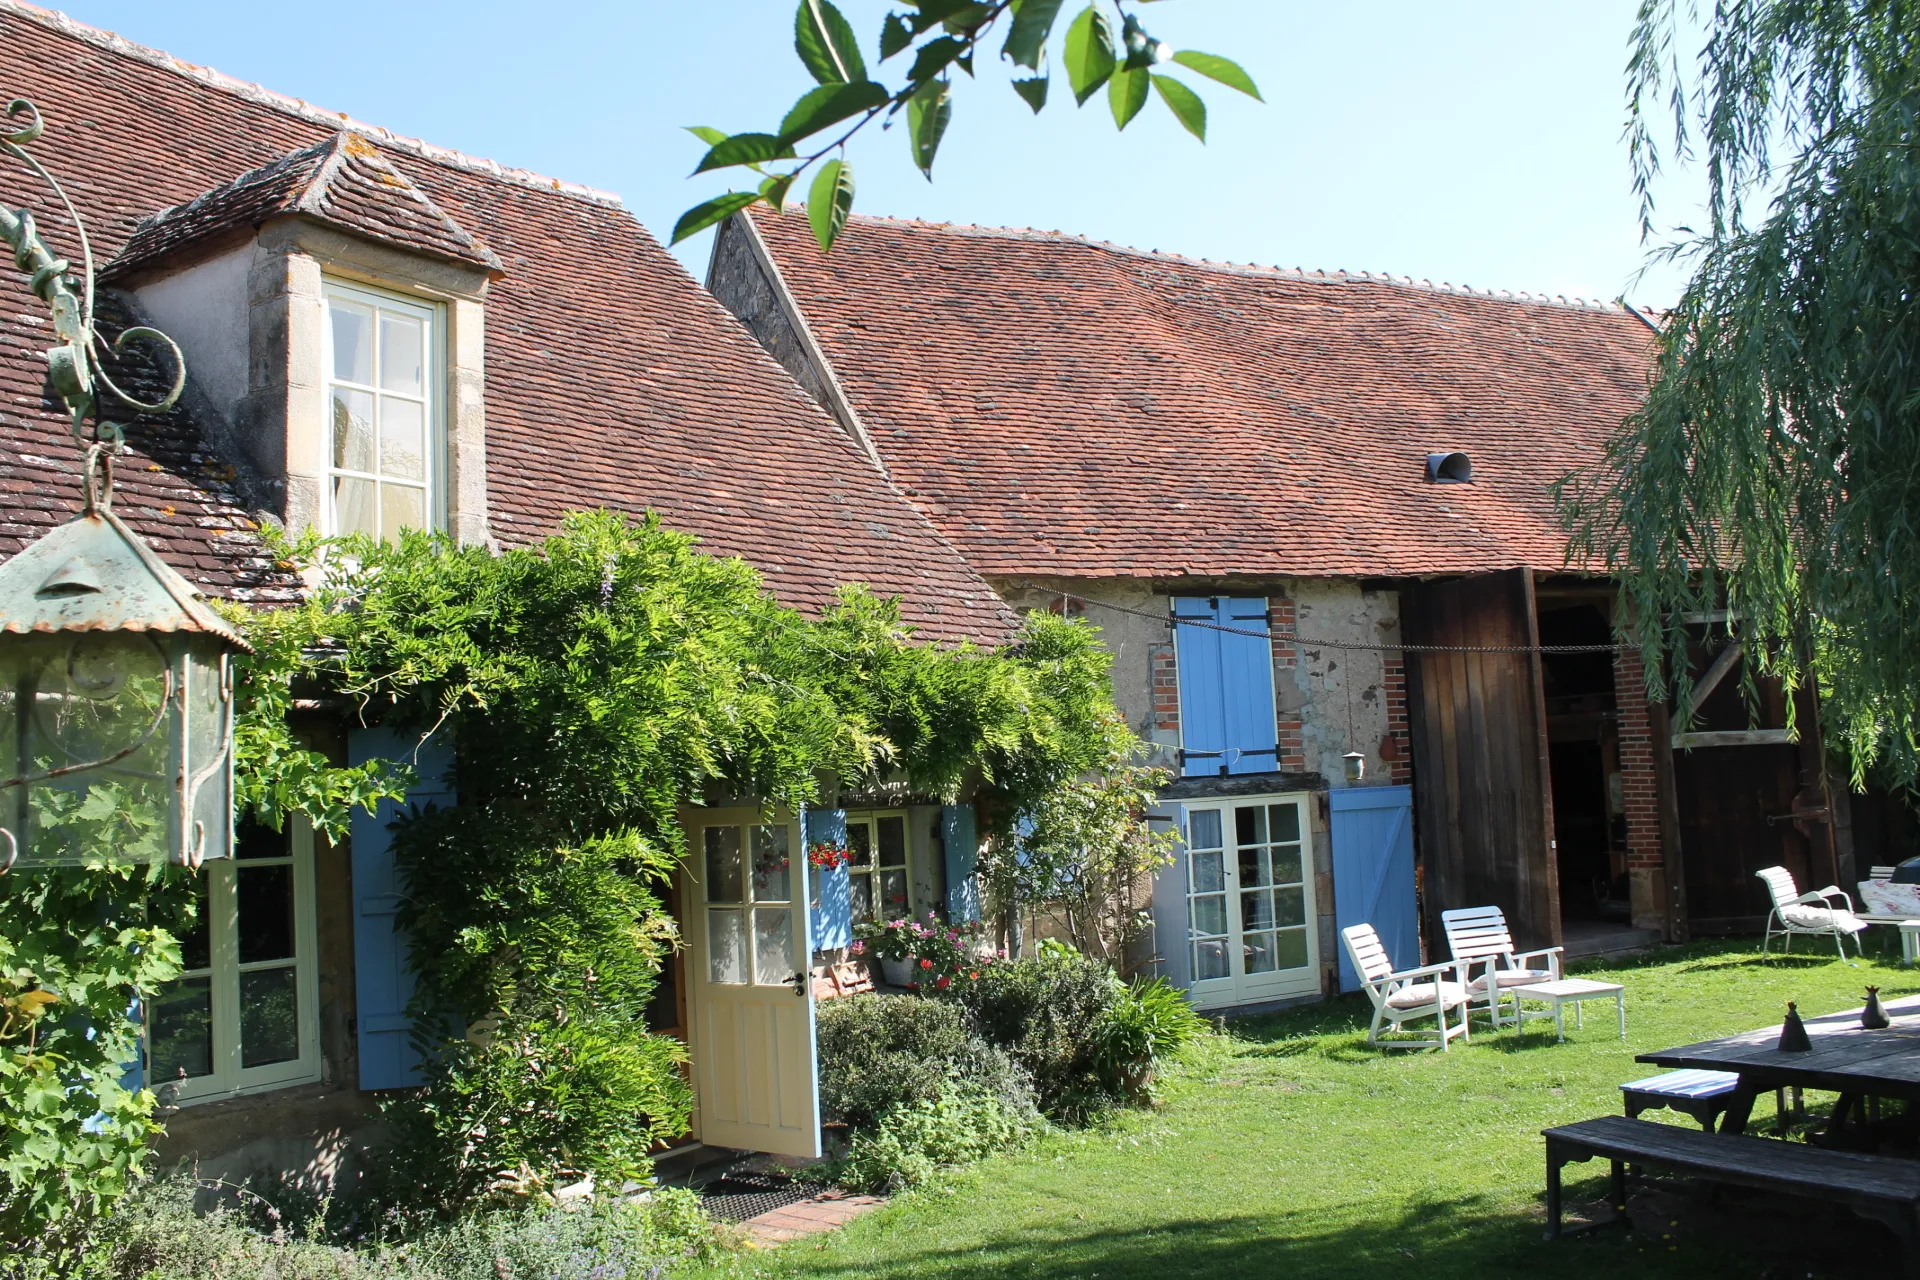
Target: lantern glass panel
208 831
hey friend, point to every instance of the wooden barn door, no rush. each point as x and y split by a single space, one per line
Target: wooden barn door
1482 791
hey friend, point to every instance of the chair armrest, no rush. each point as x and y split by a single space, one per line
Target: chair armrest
1826 895
1428 971
1520 958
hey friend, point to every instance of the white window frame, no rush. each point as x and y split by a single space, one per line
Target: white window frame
228 1077
1240 987
433 374
871 819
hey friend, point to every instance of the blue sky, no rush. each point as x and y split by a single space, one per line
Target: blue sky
1477 143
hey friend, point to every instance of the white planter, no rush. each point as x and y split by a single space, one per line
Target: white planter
898 972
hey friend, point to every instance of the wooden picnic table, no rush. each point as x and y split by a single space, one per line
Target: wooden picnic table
1846 1059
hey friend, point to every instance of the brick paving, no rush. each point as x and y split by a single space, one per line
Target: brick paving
824 1212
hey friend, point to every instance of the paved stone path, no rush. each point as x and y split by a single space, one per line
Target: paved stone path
823 1212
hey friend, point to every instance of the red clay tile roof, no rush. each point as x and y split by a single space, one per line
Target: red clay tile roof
612 378
344 181
1060 406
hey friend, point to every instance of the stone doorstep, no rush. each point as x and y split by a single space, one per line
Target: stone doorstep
808 1217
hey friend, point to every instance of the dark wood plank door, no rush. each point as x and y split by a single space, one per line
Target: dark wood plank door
1482 789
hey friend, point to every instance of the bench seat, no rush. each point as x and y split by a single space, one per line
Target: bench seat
1700 1094
1883 1188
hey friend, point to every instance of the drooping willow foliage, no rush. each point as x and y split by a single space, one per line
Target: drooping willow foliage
1775 468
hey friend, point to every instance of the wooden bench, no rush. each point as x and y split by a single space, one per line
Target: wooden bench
1878 1187
1700 1094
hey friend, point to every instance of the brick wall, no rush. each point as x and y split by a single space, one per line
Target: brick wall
1636 763
1396 749
1166 688
1288 728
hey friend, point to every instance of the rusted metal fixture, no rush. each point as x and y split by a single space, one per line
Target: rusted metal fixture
116 677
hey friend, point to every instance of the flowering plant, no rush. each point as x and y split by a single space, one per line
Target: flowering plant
942 953
828 856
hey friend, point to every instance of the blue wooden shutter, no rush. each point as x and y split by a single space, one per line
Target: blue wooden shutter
961 839
1226 686
831 913
1373 872
383 984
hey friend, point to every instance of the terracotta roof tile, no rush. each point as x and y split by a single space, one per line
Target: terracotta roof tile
1071 407
612 379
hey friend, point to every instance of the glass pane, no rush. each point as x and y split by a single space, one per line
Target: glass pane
1256 910
772 946
1291 949
1286 864
401 507
352 340
1203 829
253 839
1290 906
269 1017
403 439
860 841
1257 951
860 889
180 1031
264 895
401 348
1250 826
726 944
352 430
1253 871
893 842
723 865
1210 960
1209 872
1210 914
1286 822
893 894
353 506
772 873
195 950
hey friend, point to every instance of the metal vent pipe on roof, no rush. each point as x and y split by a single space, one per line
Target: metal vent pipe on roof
1449 468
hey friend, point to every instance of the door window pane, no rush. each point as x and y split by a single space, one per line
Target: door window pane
1209 872
1210 914
1253 871
726 944
1286 865
352 341
1257 951
1290 906
1256 910
265 904
1291 949
269 1016
1203 829
1286 822
401 350
196 950
724 881
1210 960
772 945
1250 825
772 870
180 1031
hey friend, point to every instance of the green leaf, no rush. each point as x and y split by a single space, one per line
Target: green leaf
1126 94
708 212
1225 70
1185 104
934 57
1034 90
927 115
825 43
1089 53
895 35
745 148
708 134
1032 24
774 190
830 104
830 201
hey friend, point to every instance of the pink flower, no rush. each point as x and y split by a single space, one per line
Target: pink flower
858 948
952 936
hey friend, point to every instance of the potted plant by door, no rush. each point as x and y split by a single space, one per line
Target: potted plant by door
894 945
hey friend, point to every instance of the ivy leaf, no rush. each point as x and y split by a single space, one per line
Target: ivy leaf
1034 90
830 104
825 43
708 212
1032 24
830 201
745 148
1225 70
1089 53
895 35
708 134
928 113
1126 94
934 57
1185 104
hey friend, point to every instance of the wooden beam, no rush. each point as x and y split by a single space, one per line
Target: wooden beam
1733 738
1704 687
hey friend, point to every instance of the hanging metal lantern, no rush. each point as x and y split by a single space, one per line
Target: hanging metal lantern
1356 765
116 678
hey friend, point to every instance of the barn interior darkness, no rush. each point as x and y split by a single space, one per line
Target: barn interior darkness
1589 813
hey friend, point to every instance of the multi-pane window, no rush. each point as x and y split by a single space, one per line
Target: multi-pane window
382 411
1249 899
243 1014
749 890
878 870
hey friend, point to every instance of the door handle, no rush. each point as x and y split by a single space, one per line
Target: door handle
799 984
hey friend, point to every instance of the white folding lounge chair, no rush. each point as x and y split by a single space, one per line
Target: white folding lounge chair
1824 913
1479 937
1400 998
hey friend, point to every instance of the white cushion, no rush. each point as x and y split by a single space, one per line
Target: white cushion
1883 897
1421 994
1513 978
1805 917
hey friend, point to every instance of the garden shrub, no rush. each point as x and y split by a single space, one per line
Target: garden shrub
880 1052
1151 1023
1047 1014
912 1141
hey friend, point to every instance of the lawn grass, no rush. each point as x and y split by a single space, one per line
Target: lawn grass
1291 1148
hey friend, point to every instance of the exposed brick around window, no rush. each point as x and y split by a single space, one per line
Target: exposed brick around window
1166 688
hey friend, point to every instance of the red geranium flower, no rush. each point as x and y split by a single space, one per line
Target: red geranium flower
943 984
926 964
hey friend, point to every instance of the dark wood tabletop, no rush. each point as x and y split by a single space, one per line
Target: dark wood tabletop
1846 1059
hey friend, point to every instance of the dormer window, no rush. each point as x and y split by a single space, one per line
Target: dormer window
384 415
